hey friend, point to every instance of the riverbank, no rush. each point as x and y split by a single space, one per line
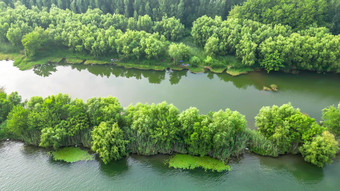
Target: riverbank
65 56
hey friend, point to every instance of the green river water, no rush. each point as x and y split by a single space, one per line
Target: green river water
29 168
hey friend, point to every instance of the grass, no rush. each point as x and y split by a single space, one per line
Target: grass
238 71
183 161
71 155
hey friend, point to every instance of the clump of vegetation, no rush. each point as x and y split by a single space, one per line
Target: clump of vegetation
291 131
179 52
71 155
259 144
182 161
195 61
238 71
331 119
320 150
272 87
108 142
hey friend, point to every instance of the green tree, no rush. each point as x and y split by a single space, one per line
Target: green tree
179 52
331 119
272 62
153 46
104 110
17 122
195 133
286 127
108 142
171 28
33 41
321 150
204 27
211 48
195 61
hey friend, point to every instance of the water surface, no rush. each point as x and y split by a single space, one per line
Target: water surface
207 91
29 168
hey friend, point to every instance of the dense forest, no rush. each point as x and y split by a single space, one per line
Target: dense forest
185 10
113 131
269 34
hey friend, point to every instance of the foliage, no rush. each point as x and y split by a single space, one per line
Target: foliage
271 46
71 155
286 127
297 13
17 121
104 110
3 130
153 128
195 61
220 134
211 47
331 119
191 162
171 28
320 150
179 52
204 27
272 62
33 41
271 39
7 102
113 132
259 144
185 10
108 141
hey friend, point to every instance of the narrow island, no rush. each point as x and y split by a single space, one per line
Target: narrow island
207 141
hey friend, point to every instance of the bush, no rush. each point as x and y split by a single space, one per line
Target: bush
179 52
214 63
108 142
321 150
286 127
259 144
331 117
195 61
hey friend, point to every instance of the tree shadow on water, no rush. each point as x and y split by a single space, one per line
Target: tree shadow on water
296 166
114 168
176 76
45 70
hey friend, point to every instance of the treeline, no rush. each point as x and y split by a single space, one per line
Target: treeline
269 46
185 10
270 41
113 132
92 32
299 14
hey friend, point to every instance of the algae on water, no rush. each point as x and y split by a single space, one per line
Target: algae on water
183 161
71 154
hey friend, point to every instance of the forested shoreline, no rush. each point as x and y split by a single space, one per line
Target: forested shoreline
113 132
256 34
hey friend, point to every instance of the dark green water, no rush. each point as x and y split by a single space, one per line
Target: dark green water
28 168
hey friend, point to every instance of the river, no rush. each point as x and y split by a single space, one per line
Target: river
310 92
28 168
